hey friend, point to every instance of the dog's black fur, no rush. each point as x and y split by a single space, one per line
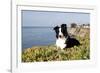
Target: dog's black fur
70 42
57 31
64 30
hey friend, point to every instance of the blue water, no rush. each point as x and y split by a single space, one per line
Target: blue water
37 36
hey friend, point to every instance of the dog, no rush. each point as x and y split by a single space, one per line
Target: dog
63 40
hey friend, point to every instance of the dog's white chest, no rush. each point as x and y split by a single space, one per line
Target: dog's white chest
60 43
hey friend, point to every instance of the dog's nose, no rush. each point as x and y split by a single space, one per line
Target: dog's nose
60 36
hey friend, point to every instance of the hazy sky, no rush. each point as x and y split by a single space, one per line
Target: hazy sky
43 18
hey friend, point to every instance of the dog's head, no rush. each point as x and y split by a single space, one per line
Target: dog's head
61 32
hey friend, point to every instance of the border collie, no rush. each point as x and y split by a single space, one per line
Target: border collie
63 39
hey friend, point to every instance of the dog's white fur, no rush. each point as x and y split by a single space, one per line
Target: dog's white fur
60 33
60 42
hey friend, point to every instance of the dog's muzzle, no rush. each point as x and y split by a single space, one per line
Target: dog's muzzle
60 36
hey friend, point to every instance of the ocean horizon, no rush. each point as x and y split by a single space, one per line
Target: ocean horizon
37 36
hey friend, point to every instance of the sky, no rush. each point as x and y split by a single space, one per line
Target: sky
51 19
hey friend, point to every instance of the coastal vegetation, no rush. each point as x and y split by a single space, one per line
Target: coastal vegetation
51 53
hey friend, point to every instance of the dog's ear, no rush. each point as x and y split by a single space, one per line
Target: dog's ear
64 29
64 26
55 28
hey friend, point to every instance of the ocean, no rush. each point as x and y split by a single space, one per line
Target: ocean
37 36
